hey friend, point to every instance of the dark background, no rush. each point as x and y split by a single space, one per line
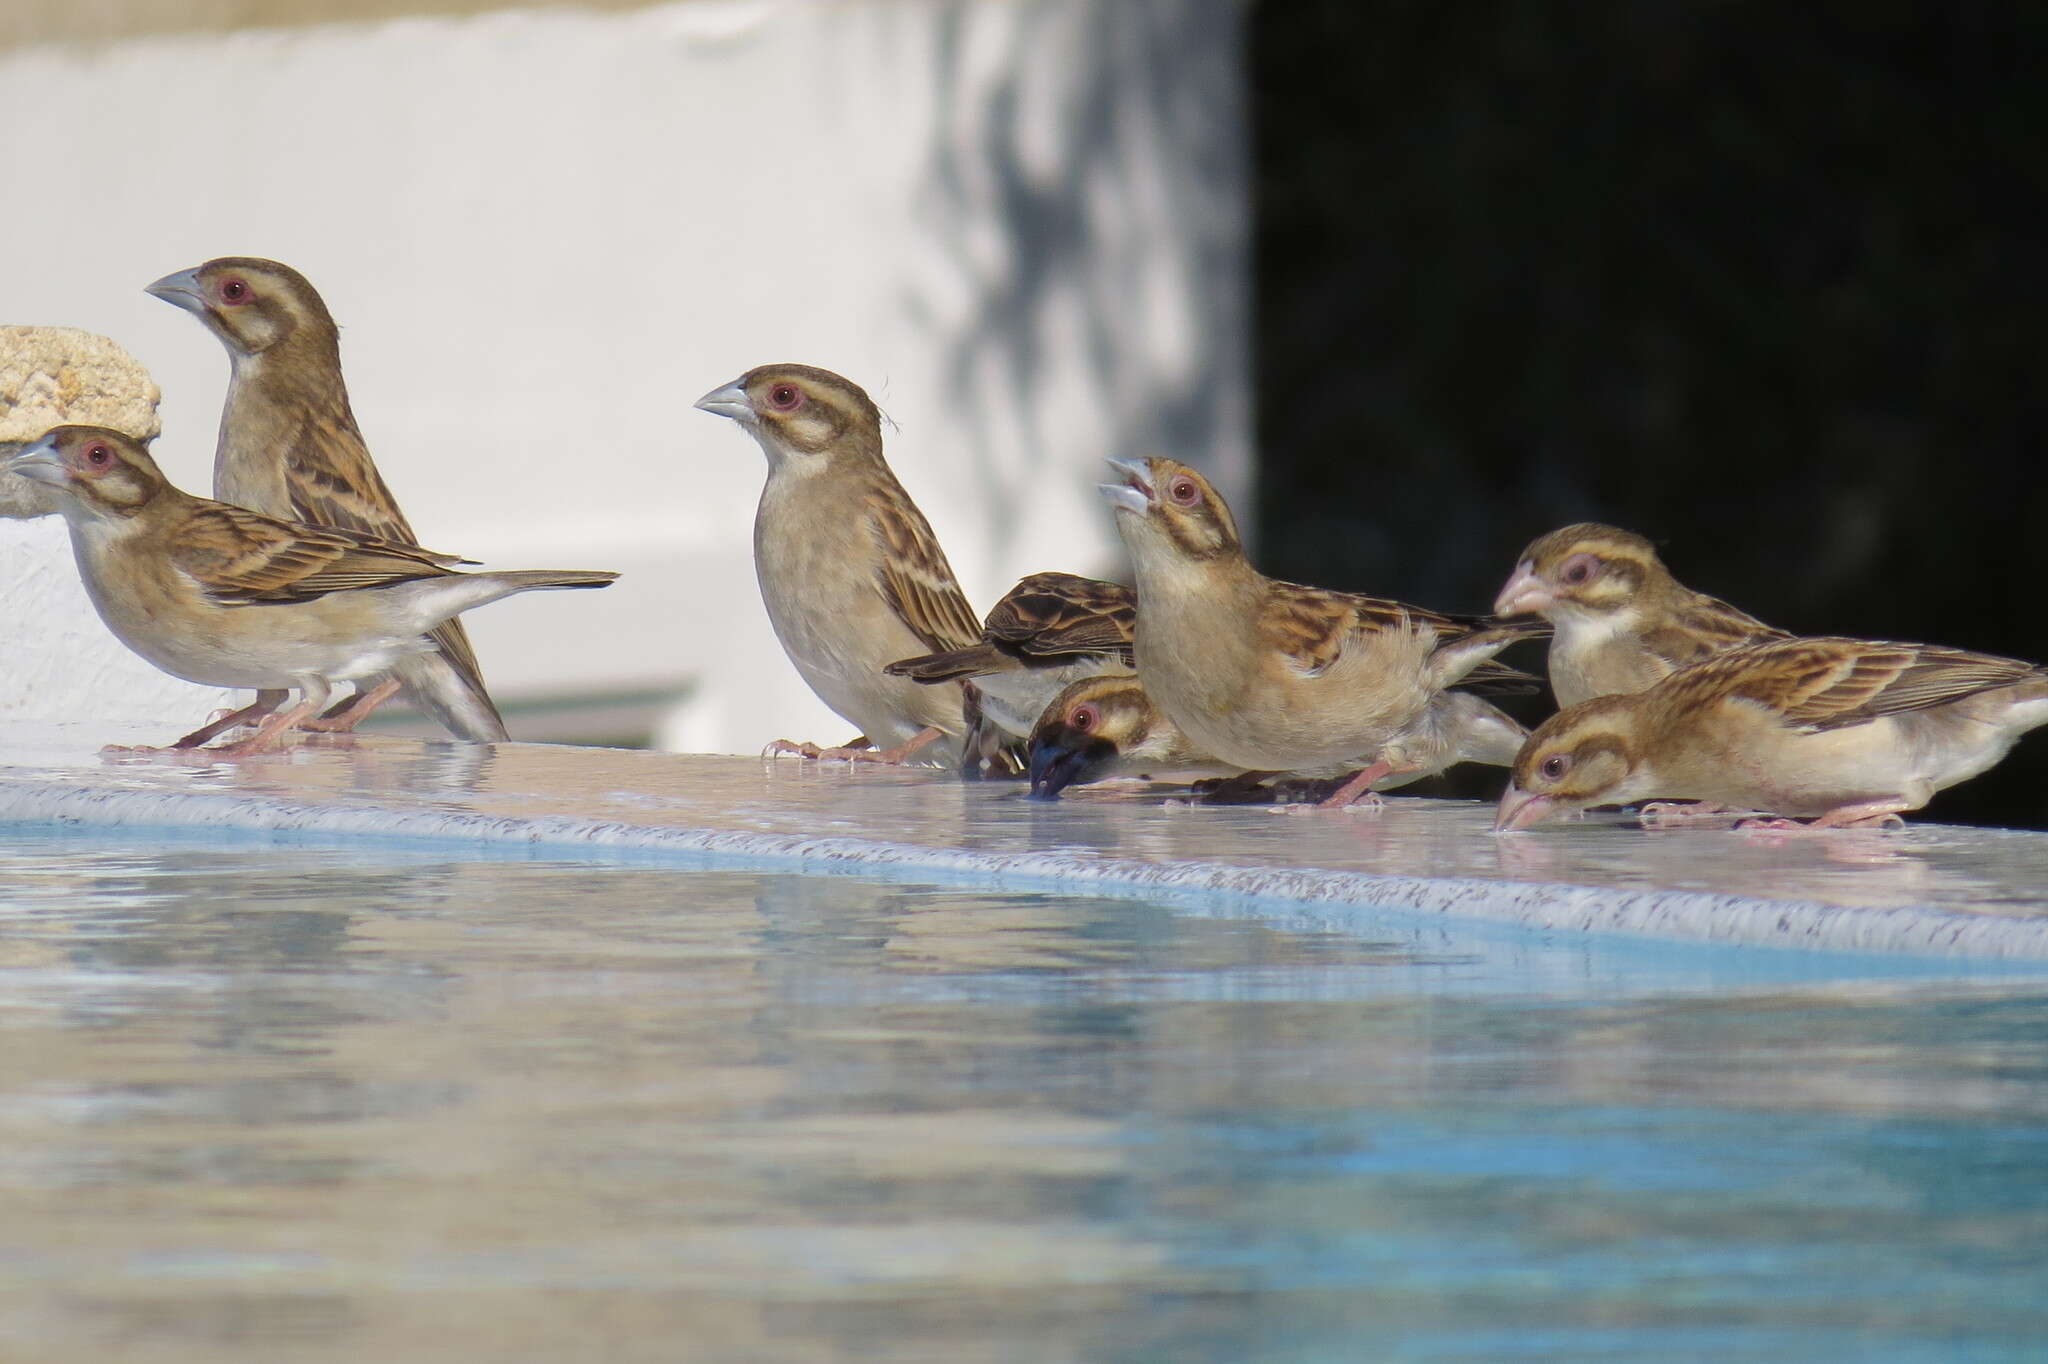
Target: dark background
1764 283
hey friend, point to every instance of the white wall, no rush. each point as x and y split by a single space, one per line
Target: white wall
1020 225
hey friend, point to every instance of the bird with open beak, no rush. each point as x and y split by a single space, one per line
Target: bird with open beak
227 597
1621 622
849 569
289 447
1270 676
1850 731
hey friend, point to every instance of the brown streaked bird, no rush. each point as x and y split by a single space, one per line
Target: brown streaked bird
1854 731
1049 631
1272 676
1621 621
289 448
850 572
227 597
1106 727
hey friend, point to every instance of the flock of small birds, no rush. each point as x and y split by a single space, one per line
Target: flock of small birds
304 575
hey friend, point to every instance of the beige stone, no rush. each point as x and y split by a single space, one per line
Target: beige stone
50 376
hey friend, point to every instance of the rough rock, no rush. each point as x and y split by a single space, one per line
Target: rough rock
50 376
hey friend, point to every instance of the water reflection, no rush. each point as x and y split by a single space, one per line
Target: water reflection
339 1104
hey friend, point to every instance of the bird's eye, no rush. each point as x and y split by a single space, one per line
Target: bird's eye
1084 718
99 455
1184 491
785 397
1579 569
1555 766
235 291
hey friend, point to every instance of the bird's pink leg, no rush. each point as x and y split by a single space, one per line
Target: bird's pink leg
807 749
268 735
859 749
1864 814
1355 794
345 718
264 704
917 742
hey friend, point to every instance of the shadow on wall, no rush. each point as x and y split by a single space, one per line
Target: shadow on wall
1074 266
1768 290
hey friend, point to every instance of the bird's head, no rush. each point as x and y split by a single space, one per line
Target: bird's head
1086 731
1164 507
800 415
252 305
1585 755
95 471
1587 569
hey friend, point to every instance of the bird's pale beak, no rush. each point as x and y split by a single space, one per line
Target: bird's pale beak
1525 594
38 462
1135 494
1519 809
730 401
180 290
1065 760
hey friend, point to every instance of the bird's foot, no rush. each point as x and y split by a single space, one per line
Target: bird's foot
1369 803
269 735
1873 815
1678 814
858 743
345 717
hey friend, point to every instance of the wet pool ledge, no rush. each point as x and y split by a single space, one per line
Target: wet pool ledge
1933 889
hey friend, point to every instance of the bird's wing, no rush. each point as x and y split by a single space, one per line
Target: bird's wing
240 557
1313 627
916 579
1705 626
1050 614
332 480
1819 684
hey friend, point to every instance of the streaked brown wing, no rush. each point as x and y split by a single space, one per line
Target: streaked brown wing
1830 683
1312 626
916 579
1706 626
1050 614
333 481
239 556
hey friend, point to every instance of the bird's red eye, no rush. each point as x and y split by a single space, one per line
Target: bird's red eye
1184 491
785 397
99 455
1084 718
1579 570
1555 766
235 291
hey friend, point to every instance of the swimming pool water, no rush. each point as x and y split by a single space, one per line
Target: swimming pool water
301 1101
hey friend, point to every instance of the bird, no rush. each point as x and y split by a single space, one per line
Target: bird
1106 727
289 447
224 596
849 569
1047 632
1621 621
1103 727
1272 676
1851 731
